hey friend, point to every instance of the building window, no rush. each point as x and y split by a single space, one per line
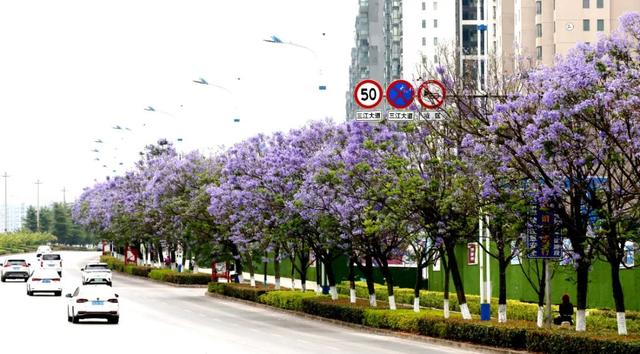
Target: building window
539 53
585 4
424 6
424 41
470 39
600 25
435 23
469 9
435 40
538 7
539 30
600 4
586 25
435 5
424 23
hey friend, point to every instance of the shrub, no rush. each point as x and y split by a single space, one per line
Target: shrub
285 299
187 278
240 291
338 310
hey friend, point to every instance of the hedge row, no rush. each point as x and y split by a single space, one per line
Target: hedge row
167 275
516 310
519 335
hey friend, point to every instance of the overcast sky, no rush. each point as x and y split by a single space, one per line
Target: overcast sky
72 70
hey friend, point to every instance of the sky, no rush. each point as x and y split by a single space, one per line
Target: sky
72 71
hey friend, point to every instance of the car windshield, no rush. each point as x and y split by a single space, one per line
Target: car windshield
51 257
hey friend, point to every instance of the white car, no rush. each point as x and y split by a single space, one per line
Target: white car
42 250
44 281
51 261
96 273
14 268
93 301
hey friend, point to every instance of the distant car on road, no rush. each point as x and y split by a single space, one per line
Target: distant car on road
51 261
15 268
96 273
42 250
93 301
44 280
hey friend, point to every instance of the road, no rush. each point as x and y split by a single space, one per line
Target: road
159 318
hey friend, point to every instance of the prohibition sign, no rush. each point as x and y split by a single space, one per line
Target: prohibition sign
368 93
431 94
400 94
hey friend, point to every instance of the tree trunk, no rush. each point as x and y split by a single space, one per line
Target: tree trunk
276 267
582 274
417 287
457 282
318 276
304 263
331 277
368 274
352 279
159 254
447 279
502 294
252 275
292 259
265 267
389 279
618 296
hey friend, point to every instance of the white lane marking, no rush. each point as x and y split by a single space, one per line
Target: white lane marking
188 311
302 341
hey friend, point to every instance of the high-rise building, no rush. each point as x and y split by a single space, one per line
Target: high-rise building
15 215
378 51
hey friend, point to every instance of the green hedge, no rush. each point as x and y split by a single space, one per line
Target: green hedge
172 276
517 334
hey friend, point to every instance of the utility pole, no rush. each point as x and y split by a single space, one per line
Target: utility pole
64 196
38 183
6 217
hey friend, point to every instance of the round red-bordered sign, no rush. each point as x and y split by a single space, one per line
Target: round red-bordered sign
434 92
400 94
367 94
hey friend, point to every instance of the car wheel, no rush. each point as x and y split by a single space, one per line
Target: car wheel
69 319
29 293
3 279
114 320
75 319
58 293
26 280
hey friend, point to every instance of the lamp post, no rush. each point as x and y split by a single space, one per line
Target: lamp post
38 183
321 86
202 81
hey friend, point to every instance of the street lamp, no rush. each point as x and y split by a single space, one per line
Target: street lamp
202 81
277 41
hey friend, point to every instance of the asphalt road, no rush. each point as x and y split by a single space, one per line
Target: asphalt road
162 319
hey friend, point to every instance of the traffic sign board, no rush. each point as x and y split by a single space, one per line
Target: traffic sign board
368 93
400 94
431 94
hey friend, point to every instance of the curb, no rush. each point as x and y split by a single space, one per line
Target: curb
203 286
386 332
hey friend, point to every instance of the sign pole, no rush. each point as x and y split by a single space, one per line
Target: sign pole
547 292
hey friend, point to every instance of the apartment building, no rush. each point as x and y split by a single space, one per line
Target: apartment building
558 25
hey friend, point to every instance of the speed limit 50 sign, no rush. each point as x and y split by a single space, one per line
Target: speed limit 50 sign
368 94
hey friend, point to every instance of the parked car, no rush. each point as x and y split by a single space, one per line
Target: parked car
42 250
44 280
15 268
51 261
93 301
96 273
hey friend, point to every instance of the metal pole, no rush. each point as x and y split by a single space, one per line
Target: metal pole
6 215
480 259
38 183
64 196
547 293
487 237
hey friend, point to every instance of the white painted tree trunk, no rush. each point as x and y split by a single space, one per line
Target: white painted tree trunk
352 296
581 321
622 323
253 281
446 308
304 286
502 313
416 304
334 292
392 302
240 278
293 283
540 318
466 315
318 289
277 286
372 300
